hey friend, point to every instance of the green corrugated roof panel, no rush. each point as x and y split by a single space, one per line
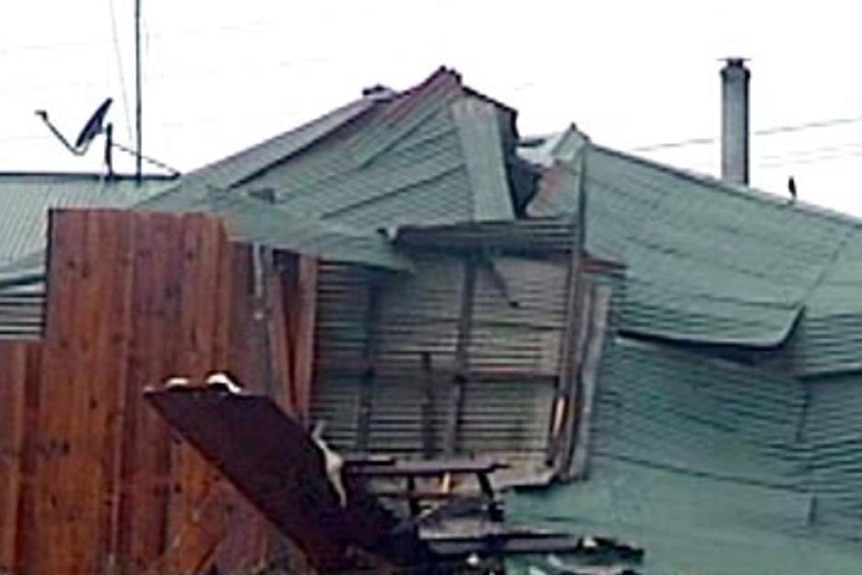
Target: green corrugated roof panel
687 524
251 220
256 221
26 198
716 468
680 313
482 148
699 415
242 166
834 432
829 338
432 155
707 262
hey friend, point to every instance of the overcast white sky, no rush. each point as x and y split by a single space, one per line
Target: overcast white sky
220 76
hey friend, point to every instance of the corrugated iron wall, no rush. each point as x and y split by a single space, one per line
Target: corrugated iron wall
22 312
833 434
371 350
91 481
341 337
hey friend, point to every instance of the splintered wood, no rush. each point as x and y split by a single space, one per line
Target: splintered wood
91 480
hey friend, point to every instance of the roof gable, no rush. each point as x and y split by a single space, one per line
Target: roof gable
432 155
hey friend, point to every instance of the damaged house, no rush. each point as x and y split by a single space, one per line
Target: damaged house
659 357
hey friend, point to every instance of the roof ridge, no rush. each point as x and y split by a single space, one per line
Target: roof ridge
745 192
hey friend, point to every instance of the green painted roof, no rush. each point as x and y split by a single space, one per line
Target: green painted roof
431 155
255 221
25 199
712 263
716 468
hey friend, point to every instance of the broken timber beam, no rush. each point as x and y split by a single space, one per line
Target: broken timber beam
462 350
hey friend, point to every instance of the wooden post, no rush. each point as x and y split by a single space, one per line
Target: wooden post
578 468
571 348
427 407
303 333
462 350
369 374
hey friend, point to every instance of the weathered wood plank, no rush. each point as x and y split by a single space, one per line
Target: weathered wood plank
462 347
194 528
13 382
579 467
108 393
48 544
303 335
146 454
27 494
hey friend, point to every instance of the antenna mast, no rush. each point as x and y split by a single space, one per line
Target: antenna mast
138 147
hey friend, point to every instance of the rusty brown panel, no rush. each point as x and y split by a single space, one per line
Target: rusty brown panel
269 458
13 382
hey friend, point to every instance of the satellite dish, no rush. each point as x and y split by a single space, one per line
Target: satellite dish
94 126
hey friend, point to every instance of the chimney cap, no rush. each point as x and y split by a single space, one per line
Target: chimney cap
736 61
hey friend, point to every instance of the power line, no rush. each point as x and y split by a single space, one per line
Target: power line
838 154
771 131
138 105
184 33
120 72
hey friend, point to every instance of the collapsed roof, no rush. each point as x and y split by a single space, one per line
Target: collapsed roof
726 405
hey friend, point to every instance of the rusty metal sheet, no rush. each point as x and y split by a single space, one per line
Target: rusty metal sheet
275 464
269 458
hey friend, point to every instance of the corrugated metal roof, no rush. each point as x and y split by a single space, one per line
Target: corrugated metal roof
833 431
26 198
431 155
706 262
546 235
244 165
256 221
22 306
716 468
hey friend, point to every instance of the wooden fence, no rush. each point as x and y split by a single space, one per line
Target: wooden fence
91 481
